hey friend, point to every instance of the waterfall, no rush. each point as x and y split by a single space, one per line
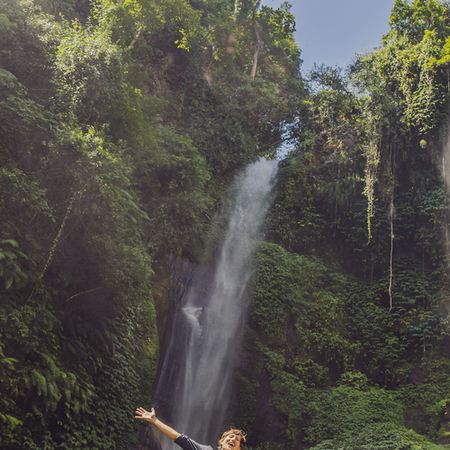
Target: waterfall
206 326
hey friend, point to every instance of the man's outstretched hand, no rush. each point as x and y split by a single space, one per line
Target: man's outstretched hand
149 416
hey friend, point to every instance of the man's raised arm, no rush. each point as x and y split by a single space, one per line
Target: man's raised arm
150 416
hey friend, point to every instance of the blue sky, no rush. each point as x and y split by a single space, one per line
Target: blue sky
331 32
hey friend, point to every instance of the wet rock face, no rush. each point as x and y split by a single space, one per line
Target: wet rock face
418 375
160 290
416 419
186 279
265 424
268 425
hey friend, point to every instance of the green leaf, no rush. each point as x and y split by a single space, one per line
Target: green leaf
8 281
11 421
9 254
40 382
10 241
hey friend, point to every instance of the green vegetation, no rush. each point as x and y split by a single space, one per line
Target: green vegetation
121 125
349 306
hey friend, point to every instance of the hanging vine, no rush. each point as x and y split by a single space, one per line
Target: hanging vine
391 216
372 161
391 220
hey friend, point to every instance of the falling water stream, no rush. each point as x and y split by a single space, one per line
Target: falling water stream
195 375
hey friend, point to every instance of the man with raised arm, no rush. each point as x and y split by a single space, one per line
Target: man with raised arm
230 440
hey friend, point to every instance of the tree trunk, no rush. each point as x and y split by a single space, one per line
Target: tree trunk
258 42
237 8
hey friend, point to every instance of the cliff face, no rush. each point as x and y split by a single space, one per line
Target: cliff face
121 127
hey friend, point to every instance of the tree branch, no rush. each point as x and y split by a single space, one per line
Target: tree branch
80 293
136 37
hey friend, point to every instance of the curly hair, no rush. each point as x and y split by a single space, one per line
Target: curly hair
239 433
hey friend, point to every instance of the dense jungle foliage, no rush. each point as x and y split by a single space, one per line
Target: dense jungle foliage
121 125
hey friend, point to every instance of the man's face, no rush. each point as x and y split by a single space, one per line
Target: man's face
231 442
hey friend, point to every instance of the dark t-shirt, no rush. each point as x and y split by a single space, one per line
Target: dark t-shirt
188 444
